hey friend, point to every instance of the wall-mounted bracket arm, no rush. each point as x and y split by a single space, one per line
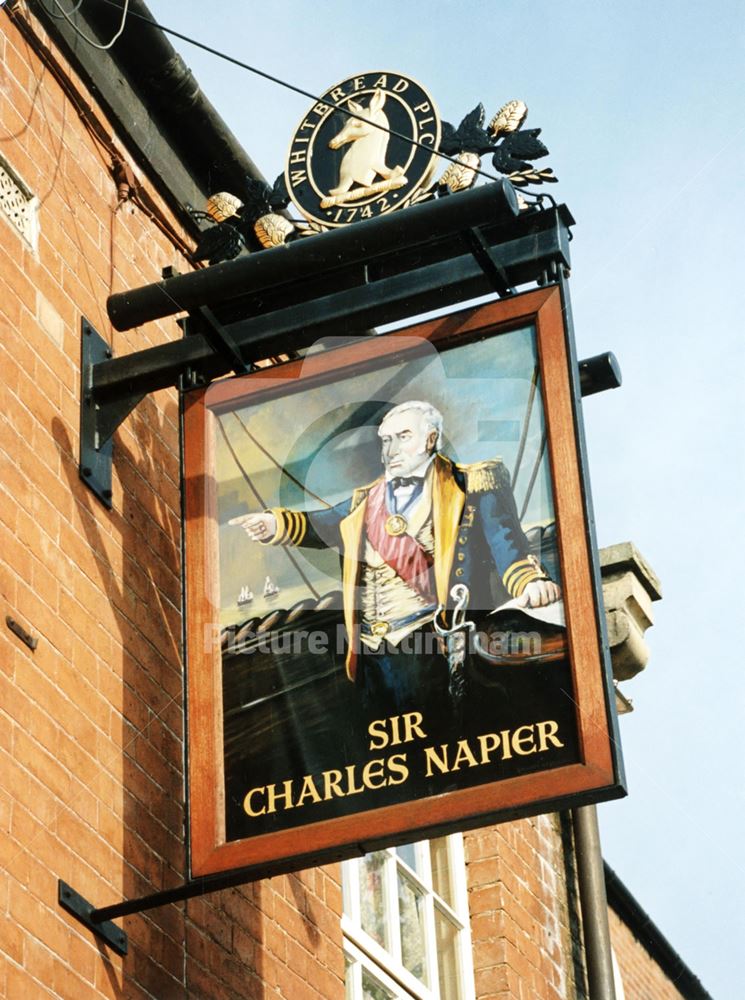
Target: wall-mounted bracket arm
81 909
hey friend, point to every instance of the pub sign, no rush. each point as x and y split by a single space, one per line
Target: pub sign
393 615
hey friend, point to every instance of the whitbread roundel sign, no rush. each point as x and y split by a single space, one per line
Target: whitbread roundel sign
366 148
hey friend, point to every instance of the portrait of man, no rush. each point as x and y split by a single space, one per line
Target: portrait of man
405 539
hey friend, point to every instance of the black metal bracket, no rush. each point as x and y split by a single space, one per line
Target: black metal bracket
23 634
82 910
487 261
95 454
436 254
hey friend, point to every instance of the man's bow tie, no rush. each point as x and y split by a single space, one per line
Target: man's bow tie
399 481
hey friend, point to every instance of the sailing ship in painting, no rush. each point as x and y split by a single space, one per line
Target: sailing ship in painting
246 595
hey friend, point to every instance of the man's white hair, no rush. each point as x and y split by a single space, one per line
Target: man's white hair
430 413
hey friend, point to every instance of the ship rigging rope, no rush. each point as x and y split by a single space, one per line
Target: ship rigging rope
534 474
263 450
258 496
526 422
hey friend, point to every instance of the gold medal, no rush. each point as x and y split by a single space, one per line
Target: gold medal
396 524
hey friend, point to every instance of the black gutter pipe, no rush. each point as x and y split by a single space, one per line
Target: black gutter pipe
169 94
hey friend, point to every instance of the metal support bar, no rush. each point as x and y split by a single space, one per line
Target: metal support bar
599 373
400 240
593 903
95 453
82 910
486 260
221 341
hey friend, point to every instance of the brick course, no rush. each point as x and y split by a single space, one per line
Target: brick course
90 723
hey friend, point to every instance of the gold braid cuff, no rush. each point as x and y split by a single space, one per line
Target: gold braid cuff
517 576
291 527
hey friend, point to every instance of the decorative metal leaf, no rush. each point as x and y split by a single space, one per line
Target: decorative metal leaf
256 197
280 196
509 118
474 119
221 242
468 137
516 149
448 140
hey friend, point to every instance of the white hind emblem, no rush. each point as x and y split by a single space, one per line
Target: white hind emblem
365 158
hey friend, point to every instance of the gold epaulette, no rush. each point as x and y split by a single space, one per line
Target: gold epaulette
482 477
291 526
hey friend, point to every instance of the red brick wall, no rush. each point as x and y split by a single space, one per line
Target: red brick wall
91 782
520 913
641 976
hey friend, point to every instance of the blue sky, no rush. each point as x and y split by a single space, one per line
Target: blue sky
641 106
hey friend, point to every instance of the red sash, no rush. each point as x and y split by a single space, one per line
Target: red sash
402 553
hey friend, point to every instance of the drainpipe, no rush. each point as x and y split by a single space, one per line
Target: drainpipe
593 903
630 586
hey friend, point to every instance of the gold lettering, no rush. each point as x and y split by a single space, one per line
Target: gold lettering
463 755
428 139
400 87
505 737
273 795
377 766
412 726
298 156
397 764
358 83
382 81
331 784
308 791
488 742
425 121
337 94
377 730
440 763
308 125
320 109
518 740
547 732
423 108
247 806
297 177
353 789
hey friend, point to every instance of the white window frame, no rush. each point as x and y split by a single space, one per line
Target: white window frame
385 963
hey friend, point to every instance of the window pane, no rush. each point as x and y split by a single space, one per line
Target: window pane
407 853
348 978
373 990
438 852
372 896
411 915
447 956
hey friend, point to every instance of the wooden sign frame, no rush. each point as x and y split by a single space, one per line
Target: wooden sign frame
595 774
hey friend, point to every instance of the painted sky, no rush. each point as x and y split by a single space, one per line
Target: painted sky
641 107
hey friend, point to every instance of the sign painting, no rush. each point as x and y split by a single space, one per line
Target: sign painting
393 616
